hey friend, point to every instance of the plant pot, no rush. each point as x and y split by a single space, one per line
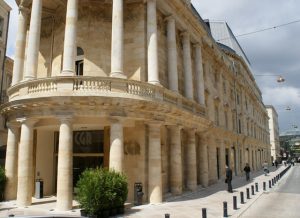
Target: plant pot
103 214
113 211
121 210
83 213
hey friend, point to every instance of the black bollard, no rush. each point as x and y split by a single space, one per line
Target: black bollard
167 215
252 189
225 213
234 202
256 186
264 184
242 197
248 193
270 184
204 213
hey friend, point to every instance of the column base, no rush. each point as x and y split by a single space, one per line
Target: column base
157 83
67 73
117 74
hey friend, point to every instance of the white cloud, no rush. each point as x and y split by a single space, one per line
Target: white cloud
281 96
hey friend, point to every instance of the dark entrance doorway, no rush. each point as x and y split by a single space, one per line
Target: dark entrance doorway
88 151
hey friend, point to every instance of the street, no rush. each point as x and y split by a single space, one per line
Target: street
283 201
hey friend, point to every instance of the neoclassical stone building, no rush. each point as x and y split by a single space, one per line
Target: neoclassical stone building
137 86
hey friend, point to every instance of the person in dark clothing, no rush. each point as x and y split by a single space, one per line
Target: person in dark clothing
247 171
276 163
229 179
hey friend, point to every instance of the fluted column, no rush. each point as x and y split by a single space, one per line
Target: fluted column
20 46
11 162
176 160
191 160
172 54
65 165
154 159
117 40
34 40
25 163
204 163
153 72
187 65
70 46
199 74
116 155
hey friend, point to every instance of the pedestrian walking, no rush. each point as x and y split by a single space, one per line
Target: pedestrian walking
265 167
228 179
276 163
247 171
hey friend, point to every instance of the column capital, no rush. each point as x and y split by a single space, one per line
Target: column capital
28 121
198 44
146 1
175 127
185 35
154 123
24 10
66 119
13 124
169 18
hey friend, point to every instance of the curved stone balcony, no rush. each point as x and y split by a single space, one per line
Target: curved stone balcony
87 88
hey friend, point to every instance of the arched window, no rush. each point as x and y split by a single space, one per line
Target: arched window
79 61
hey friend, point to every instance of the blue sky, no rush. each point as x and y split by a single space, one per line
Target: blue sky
271 52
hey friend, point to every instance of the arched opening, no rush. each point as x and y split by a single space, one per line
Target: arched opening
79 62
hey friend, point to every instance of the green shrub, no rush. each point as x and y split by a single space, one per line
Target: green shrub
2 183
99 190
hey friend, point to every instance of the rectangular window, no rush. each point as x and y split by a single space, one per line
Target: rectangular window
1 26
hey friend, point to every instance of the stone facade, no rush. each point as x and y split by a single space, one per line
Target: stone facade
168 106
6 65
274 133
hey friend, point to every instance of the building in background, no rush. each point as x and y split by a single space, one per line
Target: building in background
5 73
290 143
149 93
274 133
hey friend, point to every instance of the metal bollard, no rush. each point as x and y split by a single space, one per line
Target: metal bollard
270 184
225 212
256 186
252 189
167 215
204 213
248 193
264 185
234 202
242 197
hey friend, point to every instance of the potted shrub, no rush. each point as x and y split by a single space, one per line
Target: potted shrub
100 190
2 183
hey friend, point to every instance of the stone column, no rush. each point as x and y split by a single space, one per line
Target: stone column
70 45
154 164
172 54
222 159
65 165
20 46
199 74
116 155
153 72
34 40
187 65
191 160
204 163
117 40
213 175
25 163
11 162
175 160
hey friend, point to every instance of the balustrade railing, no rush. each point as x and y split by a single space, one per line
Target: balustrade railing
56 86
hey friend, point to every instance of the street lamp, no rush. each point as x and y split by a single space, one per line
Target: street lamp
280 79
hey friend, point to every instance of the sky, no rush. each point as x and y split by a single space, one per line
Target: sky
274 52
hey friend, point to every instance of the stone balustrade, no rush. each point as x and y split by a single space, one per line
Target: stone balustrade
101 86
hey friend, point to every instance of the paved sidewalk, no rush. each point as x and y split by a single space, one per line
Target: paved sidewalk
187 206
190 204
